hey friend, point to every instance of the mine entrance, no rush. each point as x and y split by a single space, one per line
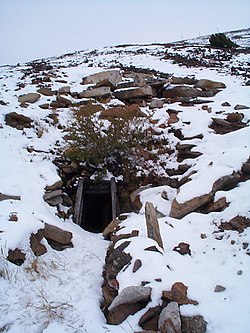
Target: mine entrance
96 204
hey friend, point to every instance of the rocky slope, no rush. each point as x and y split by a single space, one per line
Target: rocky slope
193 174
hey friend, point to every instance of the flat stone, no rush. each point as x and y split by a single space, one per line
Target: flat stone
241 107
29 98
134 92
114 76
46 92
16 257
219 289
205 84
156 103
56 234
18 121
182 248
95 92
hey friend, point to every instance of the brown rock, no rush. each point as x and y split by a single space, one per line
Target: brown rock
183 80
135 92
116 238
29 98
44 106
235 117
195 324
137 265
128 302
182 248
16 257
63 100
179 210
53 198
95 92
226 104
111 229
113 76
149 321
56 186
9 197
18 121
205 84
181 91
178 294
56 234
239 223
37 248
46 91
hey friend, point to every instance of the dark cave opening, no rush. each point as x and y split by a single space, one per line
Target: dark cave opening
96 211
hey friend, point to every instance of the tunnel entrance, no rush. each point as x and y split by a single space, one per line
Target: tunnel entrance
96 204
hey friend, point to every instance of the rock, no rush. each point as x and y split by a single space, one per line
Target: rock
156 103
116 238
126 112
205 84
13 217
37 248
225 104
149 321
18 121
181 91
95 92
178 294
246 168
53 198
222 126
44 106
46 92
64 100
216 206
195 324
16 257
219 289
111 229
89 109
9 197
56 186
182 248
113 76
129 301
153 230
51 232
169 320
239 223
29 98
179 210
241 107
226 183
137 265
235 117
183 80
134 92
64 90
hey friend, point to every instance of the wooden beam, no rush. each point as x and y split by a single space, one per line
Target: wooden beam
153 229
79 202
113 197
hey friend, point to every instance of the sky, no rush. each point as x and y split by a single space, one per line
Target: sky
33 29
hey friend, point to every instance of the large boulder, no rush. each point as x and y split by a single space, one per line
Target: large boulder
29 98
18 121
129 301
181 91
134 92
96 92
113 76
205 84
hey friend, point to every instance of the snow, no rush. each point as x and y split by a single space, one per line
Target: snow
61 291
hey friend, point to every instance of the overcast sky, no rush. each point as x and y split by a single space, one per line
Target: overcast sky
32 29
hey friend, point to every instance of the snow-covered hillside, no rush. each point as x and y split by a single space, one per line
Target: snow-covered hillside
209 134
